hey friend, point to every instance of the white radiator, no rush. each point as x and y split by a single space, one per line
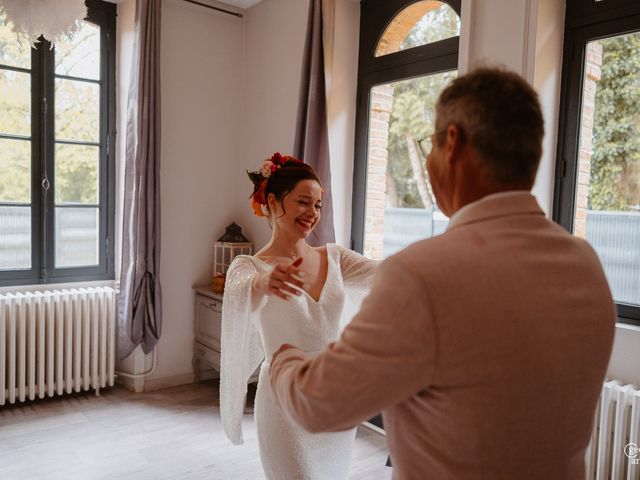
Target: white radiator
56 342
613 451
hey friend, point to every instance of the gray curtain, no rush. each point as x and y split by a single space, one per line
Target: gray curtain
140 300
312 134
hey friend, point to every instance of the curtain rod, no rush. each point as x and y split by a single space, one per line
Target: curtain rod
228 12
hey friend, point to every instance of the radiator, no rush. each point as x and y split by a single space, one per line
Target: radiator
56 342
613 451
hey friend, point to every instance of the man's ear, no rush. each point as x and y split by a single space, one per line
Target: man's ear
453 143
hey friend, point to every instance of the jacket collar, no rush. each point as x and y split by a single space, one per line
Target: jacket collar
503 204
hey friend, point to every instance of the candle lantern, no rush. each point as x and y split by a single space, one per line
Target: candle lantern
228 246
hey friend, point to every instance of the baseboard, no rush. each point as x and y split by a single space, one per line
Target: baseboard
151 384
132 384
135 364
139 385
209 375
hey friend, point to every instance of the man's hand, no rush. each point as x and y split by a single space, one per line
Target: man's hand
283 347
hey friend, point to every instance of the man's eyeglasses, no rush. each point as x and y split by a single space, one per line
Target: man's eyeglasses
425 145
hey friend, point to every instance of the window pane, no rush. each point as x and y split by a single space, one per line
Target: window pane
607 206
400 208
15 238
15 171
76 179
15 103
80 55
76 237
77 110
11 52
419 24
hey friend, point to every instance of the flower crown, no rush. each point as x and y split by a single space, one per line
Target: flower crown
260 178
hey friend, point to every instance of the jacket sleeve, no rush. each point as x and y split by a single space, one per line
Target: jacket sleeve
241 345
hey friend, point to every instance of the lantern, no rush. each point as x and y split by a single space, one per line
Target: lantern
228 246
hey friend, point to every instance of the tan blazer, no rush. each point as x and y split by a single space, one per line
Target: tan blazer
484 347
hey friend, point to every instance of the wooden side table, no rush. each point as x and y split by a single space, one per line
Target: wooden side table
207 331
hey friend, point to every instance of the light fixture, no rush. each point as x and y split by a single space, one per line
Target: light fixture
53 19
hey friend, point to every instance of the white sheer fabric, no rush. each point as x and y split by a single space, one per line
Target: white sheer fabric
253 329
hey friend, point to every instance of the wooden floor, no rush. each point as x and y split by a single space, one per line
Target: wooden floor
171 434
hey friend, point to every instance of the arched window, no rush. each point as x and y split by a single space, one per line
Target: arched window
408 54
418 24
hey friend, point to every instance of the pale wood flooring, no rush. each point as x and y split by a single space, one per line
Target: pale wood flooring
171 434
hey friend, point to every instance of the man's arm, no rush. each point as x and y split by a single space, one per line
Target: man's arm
385 355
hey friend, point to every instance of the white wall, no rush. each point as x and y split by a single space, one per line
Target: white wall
498 32
201 98
625 358
274 44
487 25
342 114
547 77
272 66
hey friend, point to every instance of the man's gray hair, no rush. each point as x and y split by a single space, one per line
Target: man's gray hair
500 116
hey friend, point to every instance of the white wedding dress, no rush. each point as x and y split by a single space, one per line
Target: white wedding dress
252 331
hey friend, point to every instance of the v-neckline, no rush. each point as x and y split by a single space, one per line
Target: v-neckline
324 285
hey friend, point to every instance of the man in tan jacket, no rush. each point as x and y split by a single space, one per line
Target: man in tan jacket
485 347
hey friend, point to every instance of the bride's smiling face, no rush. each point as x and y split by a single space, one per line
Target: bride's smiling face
299 211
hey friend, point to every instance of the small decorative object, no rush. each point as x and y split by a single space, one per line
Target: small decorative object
217 285
53 19
228 246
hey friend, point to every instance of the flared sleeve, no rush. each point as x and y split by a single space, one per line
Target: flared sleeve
358 272
241 345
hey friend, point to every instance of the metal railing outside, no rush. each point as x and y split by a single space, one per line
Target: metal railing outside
615 236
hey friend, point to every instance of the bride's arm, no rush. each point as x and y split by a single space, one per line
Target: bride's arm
357 270
246 293
240 344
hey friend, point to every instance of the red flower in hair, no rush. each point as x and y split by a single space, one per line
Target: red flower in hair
276 158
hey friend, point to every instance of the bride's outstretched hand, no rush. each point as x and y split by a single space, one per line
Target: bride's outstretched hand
283 281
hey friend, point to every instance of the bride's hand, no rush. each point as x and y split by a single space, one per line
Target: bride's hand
281 280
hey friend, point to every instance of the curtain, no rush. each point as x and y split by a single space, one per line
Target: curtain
140 300
312 134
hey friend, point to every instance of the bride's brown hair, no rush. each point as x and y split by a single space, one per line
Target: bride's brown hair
284 180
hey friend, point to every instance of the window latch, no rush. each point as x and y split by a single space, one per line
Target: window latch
45 184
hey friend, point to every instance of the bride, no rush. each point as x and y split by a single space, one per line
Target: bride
289 292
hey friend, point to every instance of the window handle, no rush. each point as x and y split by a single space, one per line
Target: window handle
45 184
